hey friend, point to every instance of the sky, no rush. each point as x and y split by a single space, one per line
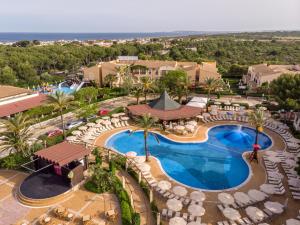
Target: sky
148 16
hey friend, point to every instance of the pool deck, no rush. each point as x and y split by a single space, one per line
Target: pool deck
258 177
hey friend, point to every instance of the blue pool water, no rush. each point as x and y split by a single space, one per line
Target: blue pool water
215 164
66 90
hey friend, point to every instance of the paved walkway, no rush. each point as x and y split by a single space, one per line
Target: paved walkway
140 201
80 203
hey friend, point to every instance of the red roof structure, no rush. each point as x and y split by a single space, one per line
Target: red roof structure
63 153
164 108
22 105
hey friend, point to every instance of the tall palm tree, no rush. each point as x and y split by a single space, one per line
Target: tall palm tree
16 134
137 92
146 122
60 101
147 86
122 72
212 84
257 119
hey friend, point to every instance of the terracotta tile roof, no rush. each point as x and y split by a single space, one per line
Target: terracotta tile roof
22 105
63 153
9 91
180 113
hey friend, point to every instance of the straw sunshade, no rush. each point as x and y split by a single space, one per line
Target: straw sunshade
274 207
257 195
267 188
82 128
241 197
231 214
174 204
76 132
179 190
226 198
255 213
292 222
196 210
144 167
140 159
197 196
131 154
177 221
164 185
71 138
124 118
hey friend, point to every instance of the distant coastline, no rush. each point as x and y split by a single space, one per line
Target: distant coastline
15 36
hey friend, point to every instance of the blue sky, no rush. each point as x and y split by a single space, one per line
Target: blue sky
148 16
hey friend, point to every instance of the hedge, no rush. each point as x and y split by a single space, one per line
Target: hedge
126 213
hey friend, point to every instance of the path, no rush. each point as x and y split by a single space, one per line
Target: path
141 203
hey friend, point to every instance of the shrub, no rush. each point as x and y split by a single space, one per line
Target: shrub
136 219
112 167
126 213
13 161
90 186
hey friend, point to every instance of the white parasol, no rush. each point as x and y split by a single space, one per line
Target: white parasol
115 115
192 122
174 204
131 154
196 210
267 188
98 125
226 198
189 127
179 190
257 195
274 207
179 127
231 214
106 122
241 197
71 138
99 121
115 120
90 124
274 159
140 159
217 103
82 128
144 167
105 117
227 103
76 132
124 118
177 221
292 222
255 213
236 105
164 185
197 196
122 114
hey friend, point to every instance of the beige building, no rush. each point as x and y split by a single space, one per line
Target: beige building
261 73
152 68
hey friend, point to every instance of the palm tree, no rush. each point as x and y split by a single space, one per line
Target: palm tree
110 79
136 92
257 119
122 72
60 101
146 122
147 86
211 84
16 134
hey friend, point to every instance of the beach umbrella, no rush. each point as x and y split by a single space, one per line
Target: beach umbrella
179 190
125 118
82 128
144 167
105 117
99 120
274 207
189 127
140 159
76 132
115 120
122 114
164 185
174 204
257 195
177 221
98 125
106 122
275 175
236 105
192 122
217 103
231 214
267 188
197 196
115 115
131 154
179 127
292 222
196 210
255 213
71 138
227 103
226 198
90 124
274 159
241 197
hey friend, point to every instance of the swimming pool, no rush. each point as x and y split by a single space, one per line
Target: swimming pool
215 164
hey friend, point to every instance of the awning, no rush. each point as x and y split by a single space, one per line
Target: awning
63 153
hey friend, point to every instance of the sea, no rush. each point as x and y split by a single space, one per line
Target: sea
13 37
